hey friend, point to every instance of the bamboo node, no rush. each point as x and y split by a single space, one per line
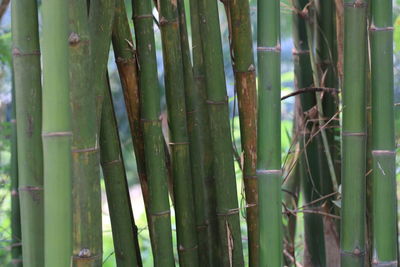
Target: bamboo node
161 213
85 252
84 150
356 4
18 53
250 177
14 193
373 28
383 152
56 134
116 161
164 21
228 212
378 263
357 252
297 52
31 188
276 49
266 172
354 133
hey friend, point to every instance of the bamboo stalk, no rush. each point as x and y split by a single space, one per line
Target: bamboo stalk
27 79
86 192
269 137
153 139
179 139
101 16
125 56
384 199
57 135
200 142
353 135
16 245
245 85
230 245
123 226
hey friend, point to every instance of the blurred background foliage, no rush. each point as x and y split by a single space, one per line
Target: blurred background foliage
126 142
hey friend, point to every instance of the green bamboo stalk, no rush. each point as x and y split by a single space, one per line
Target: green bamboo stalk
123 226
245 85
269 137
230 245
384 200
179 139
57 134
16 245
352 241
27 79
200 143
153 139
101 17
124 52
86 192
310 159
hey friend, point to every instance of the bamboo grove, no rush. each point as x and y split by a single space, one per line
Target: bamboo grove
336 185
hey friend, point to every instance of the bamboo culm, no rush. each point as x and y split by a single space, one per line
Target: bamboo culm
230 245
200 142
352 241
86 192
179 139
245 86
268 133
28 95
123 226
384 201
159 211
57 135
16 245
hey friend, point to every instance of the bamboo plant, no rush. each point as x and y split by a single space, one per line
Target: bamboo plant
384 206
179 140
57 135
28 93
268 132
123 226
352 241
86 192
16 245
230 245
245 86
153 139
200 139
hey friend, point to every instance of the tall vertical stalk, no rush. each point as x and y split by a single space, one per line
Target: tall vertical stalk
353 135
153 139
179 139
268 132
230 245
57 135
128 72
200 142
245 85
309 161
87 231
16 245
27 79
123 226
383 141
